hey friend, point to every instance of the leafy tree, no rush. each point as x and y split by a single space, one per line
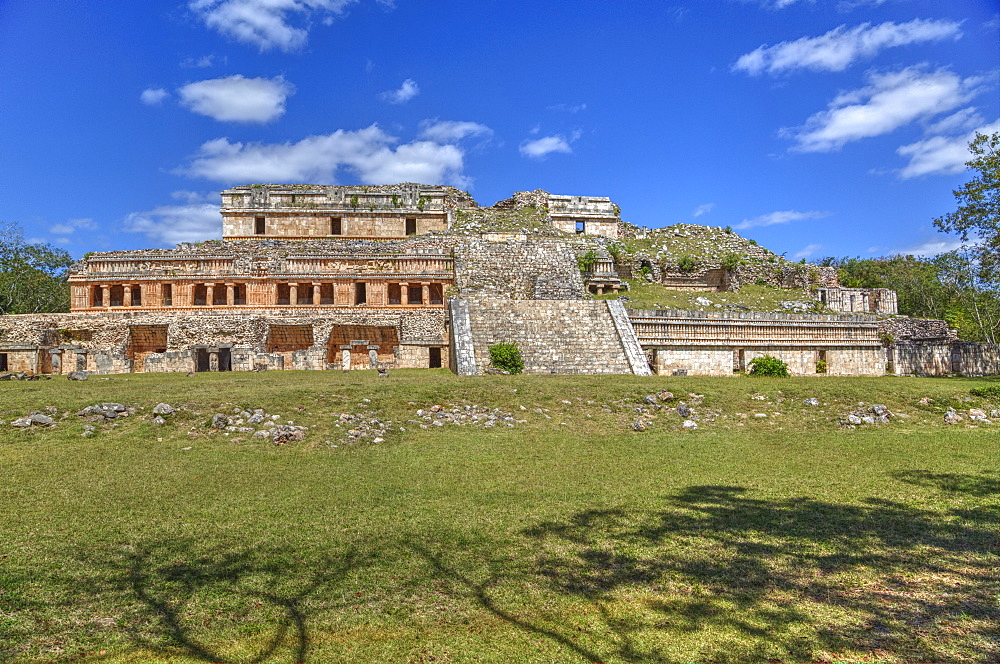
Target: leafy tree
32 276
978 199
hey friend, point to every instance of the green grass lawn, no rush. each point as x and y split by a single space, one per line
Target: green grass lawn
567 538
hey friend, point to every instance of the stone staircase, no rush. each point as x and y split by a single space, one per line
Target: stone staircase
555 336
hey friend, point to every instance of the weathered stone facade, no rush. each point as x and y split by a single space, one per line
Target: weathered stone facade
409 276
708 343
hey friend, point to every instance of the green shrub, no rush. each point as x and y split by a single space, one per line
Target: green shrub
991 392
506 357
821 367
587 261
766 365
687 264
615 251
731 262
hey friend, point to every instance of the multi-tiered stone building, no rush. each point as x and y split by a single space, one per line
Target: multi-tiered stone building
409 276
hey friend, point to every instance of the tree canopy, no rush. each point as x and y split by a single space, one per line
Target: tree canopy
978 212
32 275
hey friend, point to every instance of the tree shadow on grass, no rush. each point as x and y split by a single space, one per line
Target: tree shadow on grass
220 602
983 485
756 580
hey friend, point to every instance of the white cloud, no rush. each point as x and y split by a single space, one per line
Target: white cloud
806 251
962 120
266 24
451 131
540 147
199 63
839 48
72 225
407 91
237 99
703 209
930 247
153 96
780 217
890 101
844 4
170 224
368 153
940 154
192 197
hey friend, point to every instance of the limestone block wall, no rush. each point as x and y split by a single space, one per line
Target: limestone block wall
855 362
702 361
916 328
940 357
881 301
520 267
295 224
111 342
555 336
718 343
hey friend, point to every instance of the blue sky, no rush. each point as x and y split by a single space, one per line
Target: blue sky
816 127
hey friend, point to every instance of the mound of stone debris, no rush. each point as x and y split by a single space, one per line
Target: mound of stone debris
973 416
103 412
877 414
665 403
259 424
22 375
33 419
464 415
359 427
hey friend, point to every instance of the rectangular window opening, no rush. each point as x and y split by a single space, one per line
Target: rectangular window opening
326 295
581 227
434 358
415 295
284 294
436 294
411 226
360 293
97 300
136 296
336 228
258 225
168 295
395 294
240 294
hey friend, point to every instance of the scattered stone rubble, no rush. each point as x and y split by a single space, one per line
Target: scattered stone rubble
464 415
259 424
973 415
877 414
23 375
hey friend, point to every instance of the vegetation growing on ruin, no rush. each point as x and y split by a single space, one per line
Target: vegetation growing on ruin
530 220
642 294
568 538
506 357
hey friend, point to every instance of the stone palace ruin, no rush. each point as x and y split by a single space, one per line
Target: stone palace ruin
410 276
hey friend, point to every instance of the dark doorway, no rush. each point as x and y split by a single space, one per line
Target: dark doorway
3 361
201 361
335 226
411 226
258 225
435 358
225 359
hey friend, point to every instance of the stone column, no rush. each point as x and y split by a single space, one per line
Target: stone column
404 292
317 291
293 294
213 359
127 295
209 294
345 358
425 292
105 298
81 359
56 361
230 296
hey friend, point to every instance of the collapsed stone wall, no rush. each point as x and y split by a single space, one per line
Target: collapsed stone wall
898 329
518 267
